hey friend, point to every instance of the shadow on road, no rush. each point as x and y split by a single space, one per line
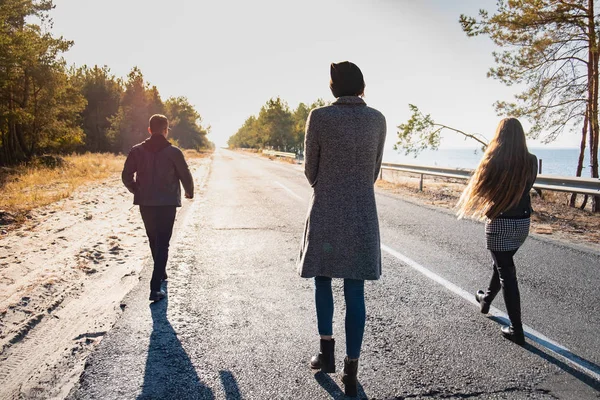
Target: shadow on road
575 359
232 391
334 390
169 372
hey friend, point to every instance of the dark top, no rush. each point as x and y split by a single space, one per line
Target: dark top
158 167
523 208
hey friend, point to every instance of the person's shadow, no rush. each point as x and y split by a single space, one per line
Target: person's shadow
169 372
333 388
587 367
230 385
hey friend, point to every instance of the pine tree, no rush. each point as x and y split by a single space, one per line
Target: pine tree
102 92
186 124
129 125
39 104
551 47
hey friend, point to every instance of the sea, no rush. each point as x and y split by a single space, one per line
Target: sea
555 161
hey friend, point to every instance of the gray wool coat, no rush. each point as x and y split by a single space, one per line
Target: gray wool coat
343 150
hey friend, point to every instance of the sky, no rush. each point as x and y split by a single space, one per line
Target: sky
229 57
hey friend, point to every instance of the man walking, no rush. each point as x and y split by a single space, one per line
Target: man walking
152 172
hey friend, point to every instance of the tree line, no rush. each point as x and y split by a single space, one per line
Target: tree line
275 127
48 107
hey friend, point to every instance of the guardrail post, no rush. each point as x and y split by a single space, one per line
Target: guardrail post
421 184
539 191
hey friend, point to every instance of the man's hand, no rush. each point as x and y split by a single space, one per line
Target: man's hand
189 196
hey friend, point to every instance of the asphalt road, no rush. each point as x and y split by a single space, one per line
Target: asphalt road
240 324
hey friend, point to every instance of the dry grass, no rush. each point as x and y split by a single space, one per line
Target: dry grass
246 150
27 187
554 216
189 154
286 160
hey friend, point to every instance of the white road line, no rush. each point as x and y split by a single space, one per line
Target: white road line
572 359
290 191
431 275
565 354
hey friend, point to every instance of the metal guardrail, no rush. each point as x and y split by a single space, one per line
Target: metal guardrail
589 186
279 154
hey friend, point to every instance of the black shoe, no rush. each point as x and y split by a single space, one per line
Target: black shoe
513 334
325 360
484 306
157 295
349 377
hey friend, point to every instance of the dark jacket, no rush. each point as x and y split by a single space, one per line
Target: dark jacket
158 167
523 208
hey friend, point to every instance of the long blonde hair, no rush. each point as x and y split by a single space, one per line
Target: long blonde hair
502 176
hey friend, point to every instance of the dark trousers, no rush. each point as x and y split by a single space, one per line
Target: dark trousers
158 221
505 277
354 294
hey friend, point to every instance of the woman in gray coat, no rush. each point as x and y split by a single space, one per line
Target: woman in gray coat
343 151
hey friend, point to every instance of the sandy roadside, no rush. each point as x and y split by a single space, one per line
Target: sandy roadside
62 277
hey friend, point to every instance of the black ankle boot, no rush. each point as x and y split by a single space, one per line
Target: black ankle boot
325 360
514 334
349 378
484 304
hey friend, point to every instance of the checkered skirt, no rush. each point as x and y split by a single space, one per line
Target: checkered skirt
505 234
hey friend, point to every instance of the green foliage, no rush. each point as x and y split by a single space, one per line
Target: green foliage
421 132
39 106
154 103
186 124
275 127
139 102
247 137
103 94
57 115
300 116
117 114
418 133
45 108
547 47
544 46
276 124
552 48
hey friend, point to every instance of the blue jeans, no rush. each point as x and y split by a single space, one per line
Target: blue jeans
354 294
